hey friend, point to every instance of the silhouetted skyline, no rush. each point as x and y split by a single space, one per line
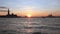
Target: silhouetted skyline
33 7
15 16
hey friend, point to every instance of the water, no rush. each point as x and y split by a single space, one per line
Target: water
29 25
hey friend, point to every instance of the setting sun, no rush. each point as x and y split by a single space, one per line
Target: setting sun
28 15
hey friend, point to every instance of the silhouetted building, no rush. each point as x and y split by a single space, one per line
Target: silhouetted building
10 15
8 12
50 15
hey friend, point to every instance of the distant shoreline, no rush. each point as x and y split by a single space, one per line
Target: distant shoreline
30 17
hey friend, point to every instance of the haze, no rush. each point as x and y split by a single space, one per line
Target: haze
33 7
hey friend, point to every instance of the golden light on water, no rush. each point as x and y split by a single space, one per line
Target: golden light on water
29 30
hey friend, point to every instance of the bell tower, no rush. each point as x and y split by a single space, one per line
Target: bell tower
8 12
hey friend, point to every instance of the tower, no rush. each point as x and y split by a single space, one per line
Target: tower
8 12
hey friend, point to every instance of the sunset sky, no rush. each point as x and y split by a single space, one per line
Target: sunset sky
33 7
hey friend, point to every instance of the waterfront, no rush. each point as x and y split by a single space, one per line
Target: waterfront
29 25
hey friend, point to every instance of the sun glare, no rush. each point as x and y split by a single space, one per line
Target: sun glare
28 15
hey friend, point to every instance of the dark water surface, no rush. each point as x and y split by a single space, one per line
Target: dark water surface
29 25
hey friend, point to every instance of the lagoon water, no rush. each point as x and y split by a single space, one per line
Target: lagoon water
29 25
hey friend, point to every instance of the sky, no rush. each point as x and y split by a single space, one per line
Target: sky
33 7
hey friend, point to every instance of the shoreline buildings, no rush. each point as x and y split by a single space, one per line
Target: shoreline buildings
15 16
9 15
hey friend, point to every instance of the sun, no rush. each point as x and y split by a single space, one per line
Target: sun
29 15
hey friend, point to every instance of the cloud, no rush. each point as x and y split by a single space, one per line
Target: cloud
3 7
